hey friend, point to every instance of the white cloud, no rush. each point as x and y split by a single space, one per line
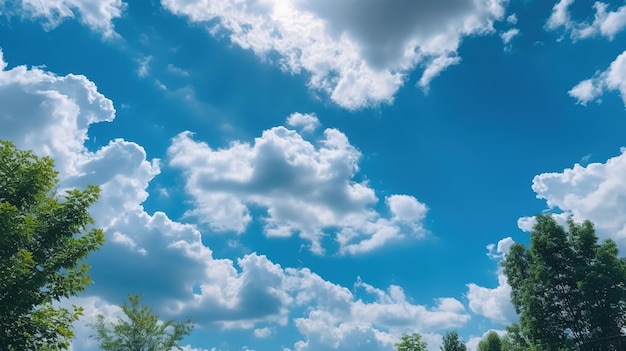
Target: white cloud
494 303
512 19
560 15
613 79
167 260
262 332
596 192
435 67
358 53
526 223
305 188
498 251
307 122
177 70
98 15
92 307
509 35
144 66
51 115
605 23
339 321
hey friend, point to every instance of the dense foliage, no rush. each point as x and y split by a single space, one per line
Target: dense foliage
45 238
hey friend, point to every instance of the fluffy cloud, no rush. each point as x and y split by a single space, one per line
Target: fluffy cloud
596 192
305 121
305 188
494 303
98 15
167 260
359 53
51 115
605 23
613 79
337 320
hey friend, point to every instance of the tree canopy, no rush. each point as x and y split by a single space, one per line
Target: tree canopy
569 290
412 342
141 330
45 239
491 342
452 342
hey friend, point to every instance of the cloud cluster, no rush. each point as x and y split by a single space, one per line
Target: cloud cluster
605 23
338 321
98 15
359 53
596 192
305 188
167 260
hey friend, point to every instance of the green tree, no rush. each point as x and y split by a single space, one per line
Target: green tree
411 342
569 290
44 240
514 339
491 342
141 330
452 342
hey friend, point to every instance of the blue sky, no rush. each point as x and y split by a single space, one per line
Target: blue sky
320 175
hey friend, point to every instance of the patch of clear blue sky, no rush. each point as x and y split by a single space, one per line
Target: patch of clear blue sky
469 149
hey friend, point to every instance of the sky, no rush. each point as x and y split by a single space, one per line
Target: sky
319 175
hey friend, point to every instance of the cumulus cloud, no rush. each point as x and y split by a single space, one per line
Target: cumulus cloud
612 79
359 53
494 303
98 15
51 115
307 122
305 188
596 192
337 320
167 260
605 23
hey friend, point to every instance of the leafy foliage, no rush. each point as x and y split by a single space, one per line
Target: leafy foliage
140 331
411 342
569 290
514 340
45 238
452 342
